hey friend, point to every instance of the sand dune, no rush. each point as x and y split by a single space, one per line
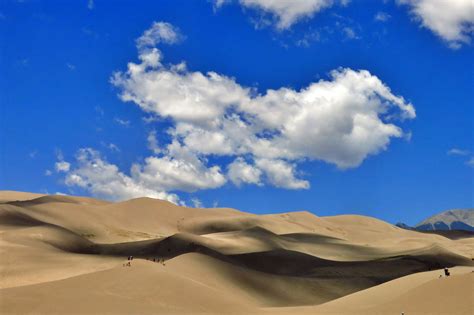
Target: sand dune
420 293
59 251
8 195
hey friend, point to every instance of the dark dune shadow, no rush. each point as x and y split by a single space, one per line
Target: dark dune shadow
43 200
451 234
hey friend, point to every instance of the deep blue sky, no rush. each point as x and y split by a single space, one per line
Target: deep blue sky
57 58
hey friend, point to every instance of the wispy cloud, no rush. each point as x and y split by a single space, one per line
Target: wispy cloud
90 32
111 146
463 153
382 17
455 151
470 162
70 66
122 122
349 33
24 62
196 203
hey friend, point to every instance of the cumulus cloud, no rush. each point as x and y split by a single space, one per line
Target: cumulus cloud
178 169
281 174
452 20
104 180
340 120
153 142
286 13
242 172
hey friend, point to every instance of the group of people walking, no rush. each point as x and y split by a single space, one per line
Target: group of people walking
130 258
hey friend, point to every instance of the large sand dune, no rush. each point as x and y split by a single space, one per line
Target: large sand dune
65 255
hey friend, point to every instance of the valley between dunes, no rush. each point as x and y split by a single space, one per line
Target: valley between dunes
67 255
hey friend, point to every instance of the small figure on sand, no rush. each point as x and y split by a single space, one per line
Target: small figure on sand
128 264
446 271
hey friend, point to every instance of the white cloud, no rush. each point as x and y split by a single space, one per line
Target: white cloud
308 38
240 172
180 169
349 33
455 151
48 173
452 20
104 180
159 32
340 120
90 4
153 142
219 3
113 147
196 203
216 115
382 16
463 153
470 162
286 12
281 174
122 122
62 166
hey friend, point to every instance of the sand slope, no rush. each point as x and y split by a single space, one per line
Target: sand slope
59 251
420 293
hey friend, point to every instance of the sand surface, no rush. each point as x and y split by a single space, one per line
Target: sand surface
66 255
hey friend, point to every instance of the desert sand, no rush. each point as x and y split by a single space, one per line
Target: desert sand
68 255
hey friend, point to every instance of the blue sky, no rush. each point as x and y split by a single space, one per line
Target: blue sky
309 107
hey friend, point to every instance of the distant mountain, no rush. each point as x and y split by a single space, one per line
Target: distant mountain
457 219
404 226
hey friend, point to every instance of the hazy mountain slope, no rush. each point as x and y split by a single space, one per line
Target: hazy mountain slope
458 219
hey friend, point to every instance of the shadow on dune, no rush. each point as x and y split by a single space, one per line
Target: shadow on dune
317 280
283 262
451 234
